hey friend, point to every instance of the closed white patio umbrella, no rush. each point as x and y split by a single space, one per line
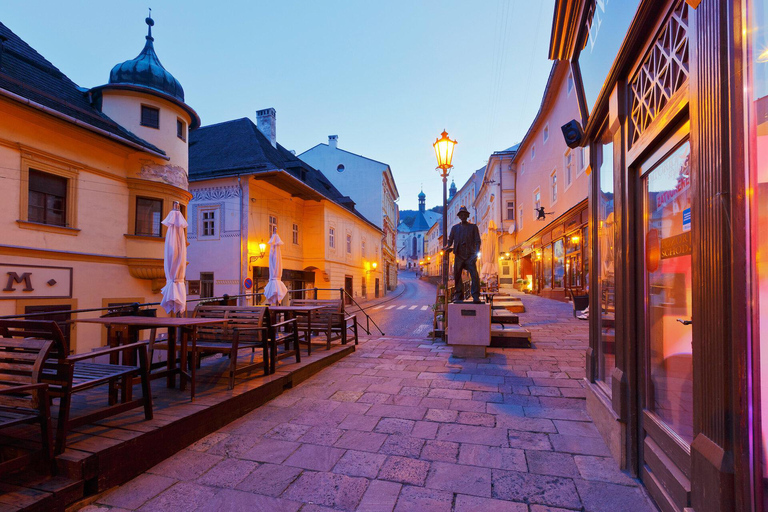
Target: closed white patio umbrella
175 263
489 254
275 289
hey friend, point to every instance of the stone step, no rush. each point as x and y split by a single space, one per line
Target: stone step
502 316
510 336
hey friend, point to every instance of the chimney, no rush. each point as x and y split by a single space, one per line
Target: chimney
333 141
265 122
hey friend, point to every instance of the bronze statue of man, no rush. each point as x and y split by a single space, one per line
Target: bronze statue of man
465 240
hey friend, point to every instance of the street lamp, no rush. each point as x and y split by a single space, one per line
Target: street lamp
444 153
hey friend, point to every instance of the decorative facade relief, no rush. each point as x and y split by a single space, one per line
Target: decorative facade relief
663 72
170 174
215 193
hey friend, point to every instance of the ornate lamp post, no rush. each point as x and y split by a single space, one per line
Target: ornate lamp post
444 153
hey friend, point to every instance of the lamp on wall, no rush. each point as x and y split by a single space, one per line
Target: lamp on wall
260 254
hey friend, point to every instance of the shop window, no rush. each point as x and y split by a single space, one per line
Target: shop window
47 198
546 267
272 225
206 284
181 130
558 264
510 210
605 263
209 224
295 234
332 238
150 116
149 213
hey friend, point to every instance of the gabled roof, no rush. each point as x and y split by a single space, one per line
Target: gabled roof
26 75
237 147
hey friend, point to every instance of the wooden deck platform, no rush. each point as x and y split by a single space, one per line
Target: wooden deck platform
117 449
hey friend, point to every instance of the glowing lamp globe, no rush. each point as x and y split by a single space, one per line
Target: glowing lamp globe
444 151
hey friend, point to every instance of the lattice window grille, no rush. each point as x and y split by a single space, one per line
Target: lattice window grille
663 72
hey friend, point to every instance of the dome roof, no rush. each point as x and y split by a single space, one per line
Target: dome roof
422 195
146 71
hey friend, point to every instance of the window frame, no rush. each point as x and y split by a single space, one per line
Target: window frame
533 151
569 83
537 200
568 165
136 216
181 129
62 181
273 224
149 108
520 217
349 243
71 174
201 211
295 234
545 133
332 237
553 195
512 218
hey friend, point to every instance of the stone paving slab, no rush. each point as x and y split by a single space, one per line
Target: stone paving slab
402 425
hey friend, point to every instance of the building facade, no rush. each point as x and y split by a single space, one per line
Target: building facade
94 173
412 239
371 185
677 369
246 187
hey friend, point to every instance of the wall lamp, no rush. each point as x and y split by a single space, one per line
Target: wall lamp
260 254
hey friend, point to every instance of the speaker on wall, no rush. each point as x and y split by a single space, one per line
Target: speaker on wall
573 133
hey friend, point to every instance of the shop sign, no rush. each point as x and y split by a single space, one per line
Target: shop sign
674 246
30 281
687 219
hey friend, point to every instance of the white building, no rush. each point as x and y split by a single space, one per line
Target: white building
411 240
370 184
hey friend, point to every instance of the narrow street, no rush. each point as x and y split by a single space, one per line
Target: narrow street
410 313
402 425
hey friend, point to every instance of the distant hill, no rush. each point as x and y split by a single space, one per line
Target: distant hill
408 216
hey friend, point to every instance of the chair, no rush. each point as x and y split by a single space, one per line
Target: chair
580 303
67 375
23 397
332 321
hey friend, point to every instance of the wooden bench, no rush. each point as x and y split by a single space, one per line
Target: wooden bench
67 375
23 396
332 321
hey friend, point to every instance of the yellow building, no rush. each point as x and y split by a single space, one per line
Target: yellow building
245 187
87 177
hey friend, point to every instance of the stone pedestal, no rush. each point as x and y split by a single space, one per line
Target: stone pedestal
469 329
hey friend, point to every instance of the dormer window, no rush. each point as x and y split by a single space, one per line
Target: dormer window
181 130
150 116
340 168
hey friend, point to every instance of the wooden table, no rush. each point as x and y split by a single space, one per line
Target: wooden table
293 311
187 327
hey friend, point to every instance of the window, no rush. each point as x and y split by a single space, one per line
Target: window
150 117
296 234
206 284
340 168
272 225
332 238
537 199
148 216
510 210
520 219
362 248
546 133
533 151
568 168
553 186
47 198
349 244
209 223
181 130
522 167
570 83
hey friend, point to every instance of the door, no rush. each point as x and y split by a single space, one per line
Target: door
666 352
348 287
376 288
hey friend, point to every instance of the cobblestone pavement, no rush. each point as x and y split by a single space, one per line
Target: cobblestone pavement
401 425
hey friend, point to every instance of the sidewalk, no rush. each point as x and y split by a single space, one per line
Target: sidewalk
401 425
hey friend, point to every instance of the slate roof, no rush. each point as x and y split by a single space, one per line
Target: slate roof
238 147
26 73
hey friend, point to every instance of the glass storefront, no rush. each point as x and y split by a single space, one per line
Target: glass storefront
546 267
669 291
757 136
605 263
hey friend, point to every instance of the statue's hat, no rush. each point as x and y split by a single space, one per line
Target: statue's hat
463 209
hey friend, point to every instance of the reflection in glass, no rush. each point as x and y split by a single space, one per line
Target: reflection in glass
547 267
558 262
605 264
668 292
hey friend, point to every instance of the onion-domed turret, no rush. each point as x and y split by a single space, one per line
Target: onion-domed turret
146 71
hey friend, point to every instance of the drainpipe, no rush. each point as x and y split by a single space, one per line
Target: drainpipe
242 246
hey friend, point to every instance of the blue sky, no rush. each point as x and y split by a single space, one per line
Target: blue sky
386 77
